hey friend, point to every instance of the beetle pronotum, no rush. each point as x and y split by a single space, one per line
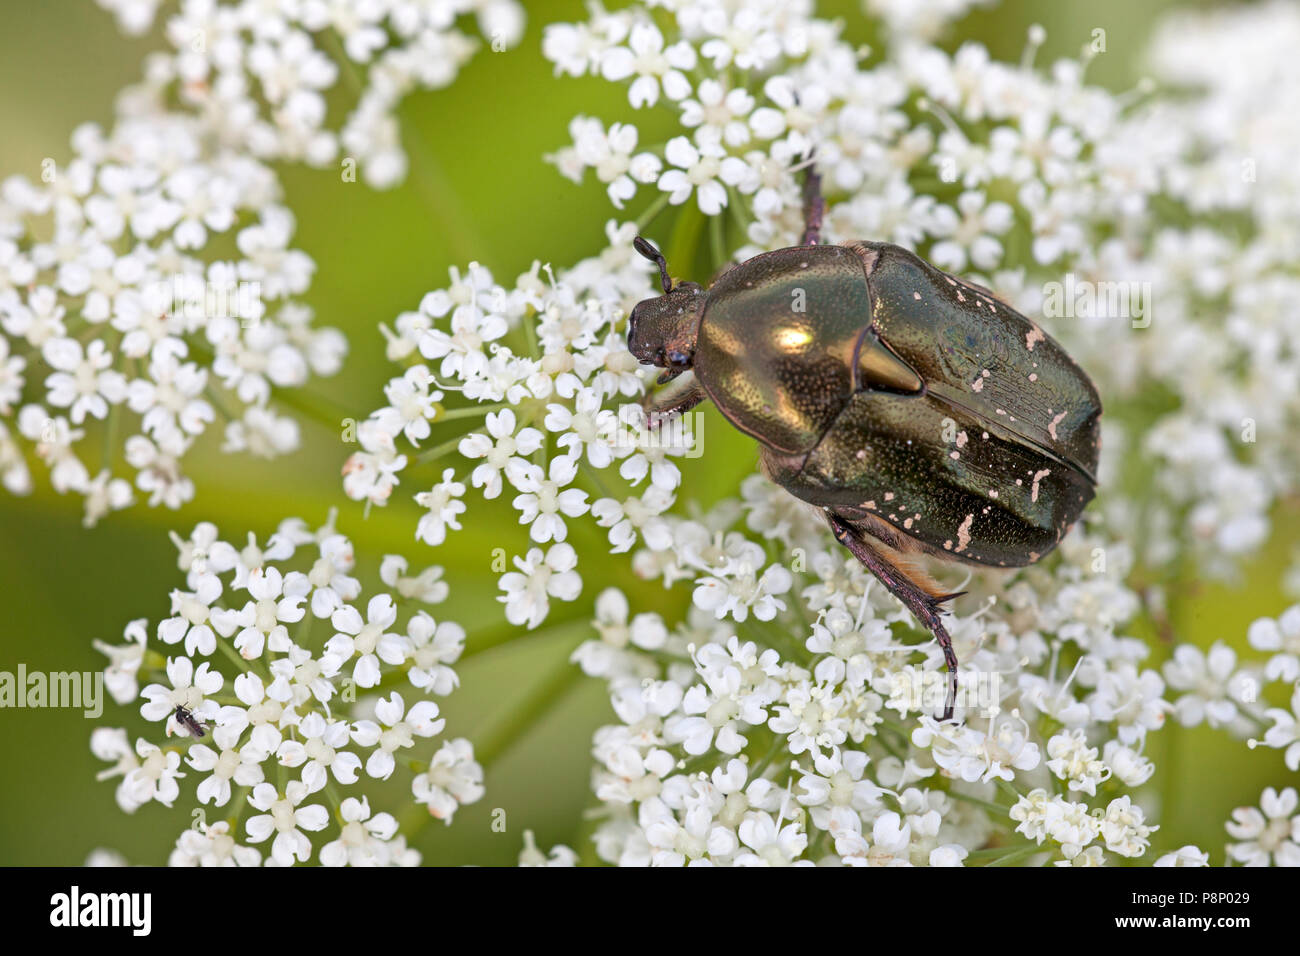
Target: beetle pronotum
918 411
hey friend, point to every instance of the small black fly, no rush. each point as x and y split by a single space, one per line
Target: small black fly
195 727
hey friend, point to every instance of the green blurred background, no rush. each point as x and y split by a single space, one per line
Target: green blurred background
482 192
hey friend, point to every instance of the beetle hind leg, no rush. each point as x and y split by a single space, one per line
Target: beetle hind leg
924 605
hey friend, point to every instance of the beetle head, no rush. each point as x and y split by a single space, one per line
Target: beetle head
663 329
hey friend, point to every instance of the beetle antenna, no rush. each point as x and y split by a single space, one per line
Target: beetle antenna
647 249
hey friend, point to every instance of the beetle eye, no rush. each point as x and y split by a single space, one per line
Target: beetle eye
678 358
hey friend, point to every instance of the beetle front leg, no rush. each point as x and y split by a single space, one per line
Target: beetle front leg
660 407
814 206
914 598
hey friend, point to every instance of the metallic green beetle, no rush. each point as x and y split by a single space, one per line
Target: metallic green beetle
920 412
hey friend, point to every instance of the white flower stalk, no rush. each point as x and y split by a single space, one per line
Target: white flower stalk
260 73
288 745
122 342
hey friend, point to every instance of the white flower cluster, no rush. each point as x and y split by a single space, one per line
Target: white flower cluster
783 738
546 363
261 73
107 306
1134 225
108 309
806 735
303 690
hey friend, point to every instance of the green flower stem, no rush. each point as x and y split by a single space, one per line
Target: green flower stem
530 336
437 451
652 211
331 792
237 809
438 192
229 650
890 748
1009 790
736 208
488 642
430 180
1015 855
219 401
817 846
473 411
316 407
991 807
717 243
757 770
593 476
334 43
499 739
685 240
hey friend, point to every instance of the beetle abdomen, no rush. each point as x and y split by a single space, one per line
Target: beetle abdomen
983 498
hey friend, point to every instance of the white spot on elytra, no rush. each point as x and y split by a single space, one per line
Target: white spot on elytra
1038 476
1051 429
916 296
963 533
1033 336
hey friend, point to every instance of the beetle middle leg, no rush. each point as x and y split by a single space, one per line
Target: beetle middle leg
661 406
914 598
814 206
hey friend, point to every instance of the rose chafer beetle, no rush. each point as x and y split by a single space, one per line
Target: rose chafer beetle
918 411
